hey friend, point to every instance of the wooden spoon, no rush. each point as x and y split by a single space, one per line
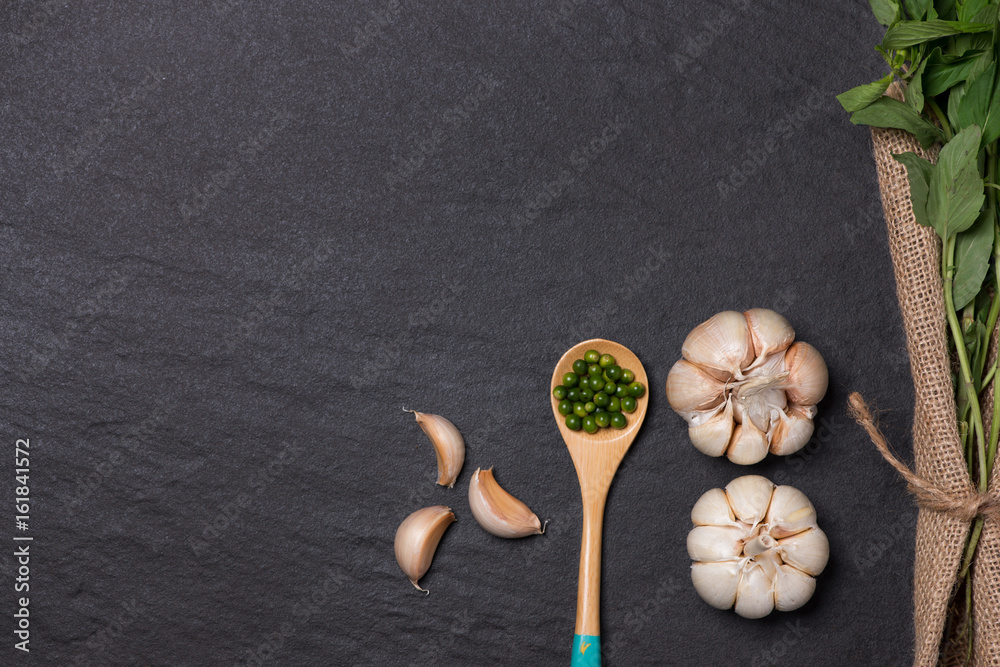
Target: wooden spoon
596 457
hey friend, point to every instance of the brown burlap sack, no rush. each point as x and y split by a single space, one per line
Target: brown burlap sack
941 536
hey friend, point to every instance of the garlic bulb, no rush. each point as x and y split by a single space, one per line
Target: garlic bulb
497 511
745 388
449 446
756 547
417 539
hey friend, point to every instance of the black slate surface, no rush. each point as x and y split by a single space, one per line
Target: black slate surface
236 237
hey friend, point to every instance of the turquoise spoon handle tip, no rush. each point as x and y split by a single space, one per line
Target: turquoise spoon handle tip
586 651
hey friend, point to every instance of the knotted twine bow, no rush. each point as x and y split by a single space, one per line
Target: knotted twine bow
965 505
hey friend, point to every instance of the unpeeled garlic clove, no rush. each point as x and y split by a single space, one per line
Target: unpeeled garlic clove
769 331
497 511
754 597
749 444
712 544
809 551
792 588
712 435
749 497
417 539
712 509
808 376
716 583
790 512
449 446
792 430
690 388
722 343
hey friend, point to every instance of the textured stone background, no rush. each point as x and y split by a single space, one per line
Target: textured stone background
237 236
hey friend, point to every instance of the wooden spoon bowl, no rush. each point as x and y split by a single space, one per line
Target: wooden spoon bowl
596 457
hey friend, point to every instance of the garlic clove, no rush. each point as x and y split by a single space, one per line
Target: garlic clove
417 539
808 551
497 511
754 597
690 389
749 496
808 376
791 431
792 588
449 446
769 331
790 512
748 445
722 343
760 406
713 509
716 583
713 544
713 435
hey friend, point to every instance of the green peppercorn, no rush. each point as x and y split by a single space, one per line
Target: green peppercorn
573 394
559 392
595 371
590 425
589 406
565 407
573 422
586 394
637 389
606 361
603 419
614 373
601 399
621 391
591 356
615 404
595 384
628 404
579 366
580 410
570 379
610 388
628 377
618 420
584 382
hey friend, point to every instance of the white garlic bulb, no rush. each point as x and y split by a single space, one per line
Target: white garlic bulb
756 547
744 388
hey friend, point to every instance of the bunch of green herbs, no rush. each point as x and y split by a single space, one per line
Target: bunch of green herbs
946 52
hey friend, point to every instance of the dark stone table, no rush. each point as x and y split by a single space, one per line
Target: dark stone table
236 237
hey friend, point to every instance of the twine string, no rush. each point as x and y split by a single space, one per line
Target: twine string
965 505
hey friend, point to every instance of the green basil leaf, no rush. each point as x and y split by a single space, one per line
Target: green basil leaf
973 249
955 98
863 95
910 33
970 8
919 172
917 9
886 11
943 72
887 112
914 89
956 188
981 105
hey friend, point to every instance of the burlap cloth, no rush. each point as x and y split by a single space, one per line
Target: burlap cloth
941 536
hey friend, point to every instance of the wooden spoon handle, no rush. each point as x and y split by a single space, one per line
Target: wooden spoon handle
587 641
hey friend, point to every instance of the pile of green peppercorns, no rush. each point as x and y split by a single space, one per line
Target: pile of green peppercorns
597 393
